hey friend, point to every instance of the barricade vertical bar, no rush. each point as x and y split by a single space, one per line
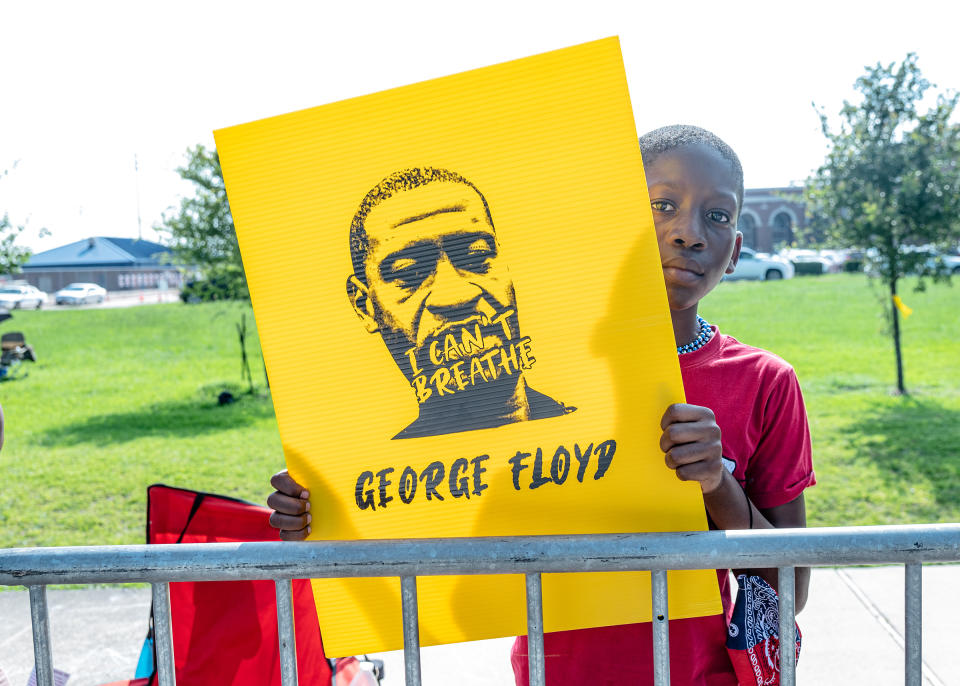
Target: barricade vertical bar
411 630
661 629
162 634
40 618
535 657
913 624
788 625
285 630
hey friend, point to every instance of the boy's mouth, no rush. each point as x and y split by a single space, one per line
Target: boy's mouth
682 270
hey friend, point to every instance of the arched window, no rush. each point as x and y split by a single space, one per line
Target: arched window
782 230
748 227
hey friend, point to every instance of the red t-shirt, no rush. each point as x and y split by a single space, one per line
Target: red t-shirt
766 445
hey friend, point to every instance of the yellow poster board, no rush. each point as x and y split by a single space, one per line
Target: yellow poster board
462 312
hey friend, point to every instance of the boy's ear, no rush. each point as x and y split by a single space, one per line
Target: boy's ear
359 296
735 257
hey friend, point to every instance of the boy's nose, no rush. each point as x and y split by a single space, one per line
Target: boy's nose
689 232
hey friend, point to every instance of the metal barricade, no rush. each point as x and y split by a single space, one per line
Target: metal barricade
783 549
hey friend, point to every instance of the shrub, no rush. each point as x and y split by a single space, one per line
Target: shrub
220 282
808 268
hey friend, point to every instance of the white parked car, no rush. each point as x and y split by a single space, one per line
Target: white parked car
951 263
80 294
22 297
821 262
838 257
927 254
754 265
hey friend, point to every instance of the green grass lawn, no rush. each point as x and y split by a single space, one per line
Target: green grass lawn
879 458
124 398
120 399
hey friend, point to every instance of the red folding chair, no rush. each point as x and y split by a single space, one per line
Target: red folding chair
225 632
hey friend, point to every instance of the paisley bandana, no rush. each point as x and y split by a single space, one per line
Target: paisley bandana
753 640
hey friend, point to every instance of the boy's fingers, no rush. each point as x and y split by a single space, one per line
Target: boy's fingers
689 432
283 482
698 471
290 522
682 412
295 535
285 504
690 453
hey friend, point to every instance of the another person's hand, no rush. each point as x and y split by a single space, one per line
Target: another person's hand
691 443
291 509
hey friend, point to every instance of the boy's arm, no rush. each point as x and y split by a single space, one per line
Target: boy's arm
727 507
792 515
692 448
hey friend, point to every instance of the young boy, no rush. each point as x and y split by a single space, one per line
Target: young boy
742 434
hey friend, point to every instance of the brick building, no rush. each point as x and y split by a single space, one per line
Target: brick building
770 217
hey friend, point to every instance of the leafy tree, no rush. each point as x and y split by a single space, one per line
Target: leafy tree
202 232
12 256
891 181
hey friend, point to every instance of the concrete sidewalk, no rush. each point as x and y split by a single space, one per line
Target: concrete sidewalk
852 634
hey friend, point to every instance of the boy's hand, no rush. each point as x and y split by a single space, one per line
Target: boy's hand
291 510
691 442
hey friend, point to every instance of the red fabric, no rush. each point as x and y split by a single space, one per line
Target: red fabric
756 398
620 655
349 673
225 633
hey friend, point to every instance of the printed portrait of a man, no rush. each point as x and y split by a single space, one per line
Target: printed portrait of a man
428 278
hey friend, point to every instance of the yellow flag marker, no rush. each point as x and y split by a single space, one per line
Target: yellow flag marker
904 310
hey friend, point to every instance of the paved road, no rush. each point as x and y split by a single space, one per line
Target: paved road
852 634
131 298
147 296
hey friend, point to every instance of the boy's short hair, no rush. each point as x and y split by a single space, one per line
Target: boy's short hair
654 143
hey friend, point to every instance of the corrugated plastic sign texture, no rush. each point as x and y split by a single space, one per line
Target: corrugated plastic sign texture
459 297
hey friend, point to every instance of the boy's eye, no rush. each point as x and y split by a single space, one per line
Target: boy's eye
662 205
718 216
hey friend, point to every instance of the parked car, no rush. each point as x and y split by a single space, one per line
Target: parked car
22 297
80 294
919 258
951 263
807 261
838 258
754 265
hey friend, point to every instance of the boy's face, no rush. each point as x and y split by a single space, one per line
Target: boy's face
694 200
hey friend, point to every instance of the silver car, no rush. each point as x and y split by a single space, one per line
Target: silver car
754 265
21 297
80 294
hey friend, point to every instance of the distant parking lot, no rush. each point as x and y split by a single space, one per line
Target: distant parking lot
126 298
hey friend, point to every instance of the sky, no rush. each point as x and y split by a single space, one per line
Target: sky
100 101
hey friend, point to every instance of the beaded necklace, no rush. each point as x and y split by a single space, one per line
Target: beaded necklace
701 340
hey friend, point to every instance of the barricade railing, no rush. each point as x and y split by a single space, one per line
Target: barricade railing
783 549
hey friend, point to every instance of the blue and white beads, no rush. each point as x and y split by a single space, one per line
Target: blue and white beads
701 340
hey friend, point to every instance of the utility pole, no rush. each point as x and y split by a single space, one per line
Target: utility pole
136 175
